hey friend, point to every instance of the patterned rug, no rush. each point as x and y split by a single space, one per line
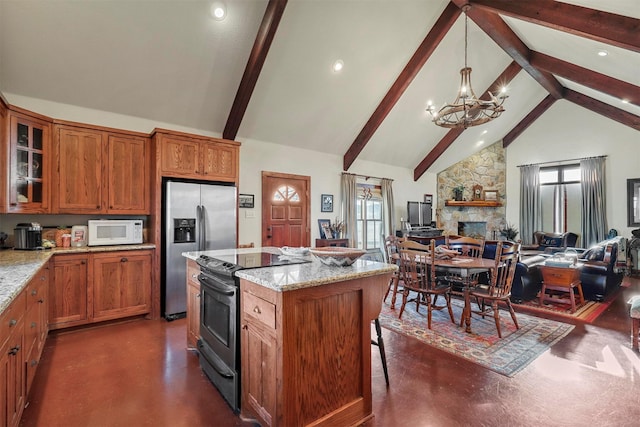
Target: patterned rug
507 355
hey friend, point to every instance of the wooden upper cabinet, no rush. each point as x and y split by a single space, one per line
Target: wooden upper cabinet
128 175
219 160
79 155
180 156
28 185
101 172
193 156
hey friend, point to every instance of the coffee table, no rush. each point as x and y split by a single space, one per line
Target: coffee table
562 279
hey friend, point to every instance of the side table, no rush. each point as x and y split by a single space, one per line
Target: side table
562 279
323 243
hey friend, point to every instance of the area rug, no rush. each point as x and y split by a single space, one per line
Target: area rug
507 355
586 312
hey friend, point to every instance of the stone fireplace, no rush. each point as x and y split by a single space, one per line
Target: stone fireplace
485 168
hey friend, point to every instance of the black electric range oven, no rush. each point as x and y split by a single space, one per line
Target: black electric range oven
219 343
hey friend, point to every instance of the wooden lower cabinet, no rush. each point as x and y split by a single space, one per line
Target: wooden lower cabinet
90 288
68 293
193 305
35 327
299 347
121 284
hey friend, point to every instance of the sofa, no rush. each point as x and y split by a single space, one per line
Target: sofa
549 243
600 271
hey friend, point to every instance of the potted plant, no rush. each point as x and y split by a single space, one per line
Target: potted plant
336 229
457 192
509 232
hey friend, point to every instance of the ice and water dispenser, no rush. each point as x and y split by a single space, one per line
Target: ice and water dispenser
184 230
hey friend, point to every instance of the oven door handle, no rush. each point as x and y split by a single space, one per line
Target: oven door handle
220 368
216 286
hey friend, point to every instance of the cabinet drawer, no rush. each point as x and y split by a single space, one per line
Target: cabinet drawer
259 309
193 270
555 275
11 316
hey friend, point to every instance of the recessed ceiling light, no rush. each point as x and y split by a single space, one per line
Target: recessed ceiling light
218 10
338 66
603 53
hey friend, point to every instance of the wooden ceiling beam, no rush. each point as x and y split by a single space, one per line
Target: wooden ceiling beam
415 64
261 45
528 120
600 82
617 114
499 31
610 28
503 79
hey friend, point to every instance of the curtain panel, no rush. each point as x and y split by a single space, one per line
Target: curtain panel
594 203
530 203
388 207
349 203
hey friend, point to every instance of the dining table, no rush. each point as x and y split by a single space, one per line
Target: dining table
465 267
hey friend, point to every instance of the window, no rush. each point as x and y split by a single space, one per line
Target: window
369 218
560 197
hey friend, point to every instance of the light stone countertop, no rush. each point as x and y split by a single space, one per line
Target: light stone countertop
298 276
17 267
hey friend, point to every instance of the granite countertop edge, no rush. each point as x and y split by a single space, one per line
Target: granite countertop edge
18 267
299 276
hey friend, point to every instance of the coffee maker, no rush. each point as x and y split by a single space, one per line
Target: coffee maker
27 236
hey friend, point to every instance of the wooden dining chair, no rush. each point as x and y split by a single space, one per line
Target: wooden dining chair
466 246
392 256
499 289
419 277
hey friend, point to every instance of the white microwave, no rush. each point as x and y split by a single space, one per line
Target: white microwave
114 232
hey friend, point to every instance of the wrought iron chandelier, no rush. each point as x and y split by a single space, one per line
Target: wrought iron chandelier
467 110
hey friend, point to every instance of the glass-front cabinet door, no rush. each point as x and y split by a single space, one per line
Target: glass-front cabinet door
29 174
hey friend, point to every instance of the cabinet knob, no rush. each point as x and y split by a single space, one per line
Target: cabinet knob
83 262
34 362
123 259
41 301
245 327
33 324
43 278
14 350
13 322
256 309
34 292
198 295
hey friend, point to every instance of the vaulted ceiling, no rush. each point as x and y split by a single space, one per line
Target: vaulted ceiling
264 73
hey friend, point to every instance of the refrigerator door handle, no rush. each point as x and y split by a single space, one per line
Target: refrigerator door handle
199 220
203 228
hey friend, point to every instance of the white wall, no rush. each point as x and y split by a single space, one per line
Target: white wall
568 131
255 157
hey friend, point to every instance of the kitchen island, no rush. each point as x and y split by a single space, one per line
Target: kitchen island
306 341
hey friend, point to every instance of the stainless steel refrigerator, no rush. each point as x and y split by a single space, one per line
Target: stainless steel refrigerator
196 217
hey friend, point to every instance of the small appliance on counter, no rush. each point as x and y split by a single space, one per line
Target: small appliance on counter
79 235
113 232
27 236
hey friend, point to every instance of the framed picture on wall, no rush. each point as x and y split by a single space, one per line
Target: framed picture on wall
245 200
327 203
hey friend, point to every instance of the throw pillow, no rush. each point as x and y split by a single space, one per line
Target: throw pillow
552 241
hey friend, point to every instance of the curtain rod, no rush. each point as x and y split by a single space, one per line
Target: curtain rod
562 161
365 176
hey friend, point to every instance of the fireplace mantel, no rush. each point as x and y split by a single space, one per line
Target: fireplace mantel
473 203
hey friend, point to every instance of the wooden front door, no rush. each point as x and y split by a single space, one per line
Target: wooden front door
285 210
